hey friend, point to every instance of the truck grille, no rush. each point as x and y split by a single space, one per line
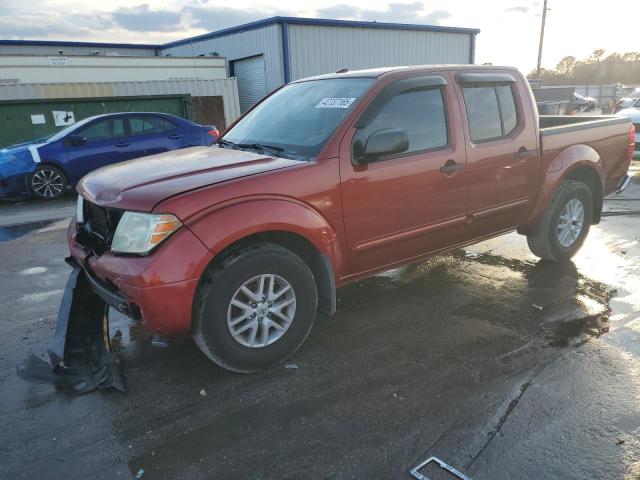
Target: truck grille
99 226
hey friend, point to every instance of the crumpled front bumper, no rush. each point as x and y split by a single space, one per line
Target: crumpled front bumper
80 357
157 289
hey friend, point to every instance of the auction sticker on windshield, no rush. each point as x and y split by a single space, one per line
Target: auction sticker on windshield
335 102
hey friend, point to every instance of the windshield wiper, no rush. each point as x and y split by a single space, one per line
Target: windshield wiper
261 146
253 146
227 143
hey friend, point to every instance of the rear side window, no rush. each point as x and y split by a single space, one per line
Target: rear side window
491 111
148 125
168 125
507 108
420 113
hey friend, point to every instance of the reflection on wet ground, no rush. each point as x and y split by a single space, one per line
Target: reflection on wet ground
16 231
546 291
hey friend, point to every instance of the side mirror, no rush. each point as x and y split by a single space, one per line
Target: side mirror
381 143
77 140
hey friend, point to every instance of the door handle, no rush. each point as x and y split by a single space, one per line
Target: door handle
524 153
123 144
451 166
175 136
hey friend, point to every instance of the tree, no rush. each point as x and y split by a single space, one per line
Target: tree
597 54
597 69
566 66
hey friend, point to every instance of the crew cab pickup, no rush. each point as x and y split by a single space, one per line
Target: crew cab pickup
329 180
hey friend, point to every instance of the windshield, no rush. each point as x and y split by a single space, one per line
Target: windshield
299 118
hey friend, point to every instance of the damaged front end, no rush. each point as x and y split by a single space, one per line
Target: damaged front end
80 358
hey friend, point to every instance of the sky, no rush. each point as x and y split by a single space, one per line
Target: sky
509 35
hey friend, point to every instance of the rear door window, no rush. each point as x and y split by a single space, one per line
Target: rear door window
168 125
147 125
507 109
491 111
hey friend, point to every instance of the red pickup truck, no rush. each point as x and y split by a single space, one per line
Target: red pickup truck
329 180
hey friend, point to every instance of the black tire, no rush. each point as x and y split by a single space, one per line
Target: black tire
217 288
544 241
47 182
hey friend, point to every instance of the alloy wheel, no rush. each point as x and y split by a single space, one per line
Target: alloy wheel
261 310
570 223
47 183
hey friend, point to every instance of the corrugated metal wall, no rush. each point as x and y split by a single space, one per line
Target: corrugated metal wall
249 74
319 49
226 88
265 41
73 50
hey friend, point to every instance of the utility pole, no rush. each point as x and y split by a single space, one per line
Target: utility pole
544 18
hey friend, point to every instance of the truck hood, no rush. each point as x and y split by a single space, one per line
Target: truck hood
141 184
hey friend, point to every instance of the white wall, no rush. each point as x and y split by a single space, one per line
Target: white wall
54 69
316 50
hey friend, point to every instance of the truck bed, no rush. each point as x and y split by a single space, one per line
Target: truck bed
607 135
555 124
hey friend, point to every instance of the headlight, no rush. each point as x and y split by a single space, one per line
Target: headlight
142 232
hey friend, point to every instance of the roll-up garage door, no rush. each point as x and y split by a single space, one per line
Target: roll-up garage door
249 73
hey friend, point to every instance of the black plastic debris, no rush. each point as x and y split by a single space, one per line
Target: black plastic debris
80 357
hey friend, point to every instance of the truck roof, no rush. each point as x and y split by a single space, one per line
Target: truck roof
378 72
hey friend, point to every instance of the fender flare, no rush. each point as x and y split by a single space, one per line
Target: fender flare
561 167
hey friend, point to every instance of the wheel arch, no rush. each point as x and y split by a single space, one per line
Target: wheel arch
579 163
51 163
589 176
288 223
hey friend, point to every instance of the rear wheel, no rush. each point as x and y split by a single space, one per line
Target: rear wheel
565 223
48 182
255 308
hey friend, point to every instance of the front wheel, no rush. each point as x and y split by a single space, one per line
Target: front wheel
255 308
48 182
565 223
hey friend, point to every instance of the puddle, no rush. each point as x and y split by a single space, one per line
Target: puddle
571 308
576 332
17 231
592 297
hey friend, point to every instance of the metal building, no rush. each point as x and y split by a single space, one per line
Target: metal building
51 47
100 68
264 55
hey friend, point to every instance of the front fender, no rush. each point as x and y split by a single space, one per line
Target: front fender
557 170
230 222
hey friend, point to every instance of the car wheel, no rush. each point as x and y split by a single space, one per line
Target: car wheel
565 223
48 182
255 308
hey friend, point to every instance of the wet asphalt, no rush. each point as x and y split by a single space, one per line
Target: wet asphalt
502 366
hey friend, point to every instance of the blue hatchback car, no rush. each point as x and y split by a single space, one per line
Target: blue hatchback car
46 166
